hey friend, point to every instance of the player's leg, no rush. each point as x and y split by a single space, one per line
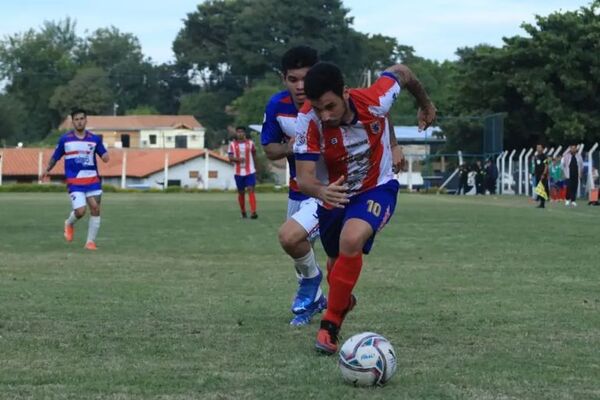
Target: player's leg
365 215
295 237
240 183
250 184
93 201
78 211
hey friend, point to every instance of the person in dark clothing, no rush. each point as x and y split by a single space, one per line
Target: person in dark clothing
540 171
491 176
479 177
463 179
572 165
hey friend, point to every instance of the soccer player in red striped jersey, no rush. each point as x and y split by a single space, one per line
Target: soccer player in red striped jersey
242 152
79 147
349 129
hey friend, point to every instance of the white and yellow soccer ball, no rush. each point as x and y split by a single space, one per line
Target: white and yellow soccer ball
367 359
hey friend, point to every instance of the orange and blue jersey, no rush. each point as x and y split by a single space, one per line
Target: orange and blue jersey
279 126
81 170
361 150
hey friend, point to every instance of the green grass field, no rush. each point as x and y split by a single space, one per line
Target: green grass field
482 298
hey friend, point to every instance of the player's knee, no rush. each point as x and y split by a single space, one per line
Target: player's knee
95 211
351 243
287 239
79 212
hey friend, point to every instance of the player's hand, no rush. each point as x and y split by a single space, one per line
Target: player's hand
426 116
335 193
44 176
398 160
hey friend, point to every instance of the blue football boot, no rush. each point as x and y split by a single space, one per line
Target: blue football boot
309 290
315 308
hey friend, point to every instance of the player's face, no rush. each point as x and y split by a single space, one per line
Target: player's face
330 109
539 149
79 122
240 134
294 82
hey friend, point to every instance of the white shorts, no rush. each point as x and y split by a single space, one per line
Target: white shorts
78 199
304 212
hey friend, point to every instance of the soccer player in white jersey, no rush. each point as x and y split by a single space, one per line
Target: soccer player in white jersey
241 152
301 227
79 147
348 128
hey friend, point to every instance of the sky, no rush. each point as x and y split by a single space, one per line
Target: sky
435 28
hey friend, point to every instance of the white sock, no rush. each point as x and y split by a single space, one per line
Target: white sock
72 218
93 226
307 265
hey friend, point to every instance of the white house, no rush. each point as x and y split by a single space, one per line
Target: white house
144 169
146 131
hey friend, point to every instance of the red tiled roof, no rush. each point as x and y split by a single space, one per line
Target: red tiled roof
136 122
140 162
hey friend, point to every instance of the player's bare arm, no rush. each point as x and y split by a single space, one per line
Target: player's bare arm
334 193
105 157
409 81
51 164
277 151
398 160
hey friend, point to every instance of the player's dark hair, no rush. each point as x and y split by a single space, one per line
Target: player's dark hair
240 128
298 57
78 110
322 78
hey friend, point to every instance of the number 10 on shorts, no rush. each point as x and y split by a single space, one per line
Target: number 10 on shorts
374 207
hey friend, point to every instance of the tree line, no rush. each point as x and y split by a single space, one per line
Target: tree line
545 82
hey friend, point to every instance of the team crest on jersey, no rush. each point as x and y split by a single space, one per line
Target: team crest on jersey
334 141
375 128
301 139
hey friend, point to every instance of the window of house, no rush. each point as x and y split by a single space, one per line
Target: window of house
125 140
152 139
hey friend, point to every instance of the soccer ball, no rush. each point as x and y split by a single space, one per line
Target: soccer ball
367 359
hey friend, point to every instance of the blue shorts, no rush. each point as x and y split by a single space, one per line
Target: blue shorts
374 206
242 182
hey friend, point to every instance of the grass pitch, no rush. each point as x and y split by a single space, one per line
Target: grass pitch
482 298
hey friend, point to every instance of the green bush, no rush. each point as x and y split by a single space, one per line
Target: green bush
33 187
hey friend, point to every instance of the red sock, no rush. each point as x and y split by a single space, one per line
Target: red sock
252 199
242 201
330 263
342 280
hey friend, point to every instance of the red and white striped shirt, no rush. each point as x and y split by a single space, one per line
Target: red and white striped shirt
244 150
360 151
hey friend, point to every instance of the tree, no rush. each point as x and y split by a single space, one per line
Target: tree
89 89
209 108
13 117
246 39
546 83
133 79
142 110
35 63
249 108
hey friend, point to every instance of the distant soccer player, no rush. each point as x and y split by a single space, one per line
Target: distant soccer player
79 147
348 128
242 152
301 226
